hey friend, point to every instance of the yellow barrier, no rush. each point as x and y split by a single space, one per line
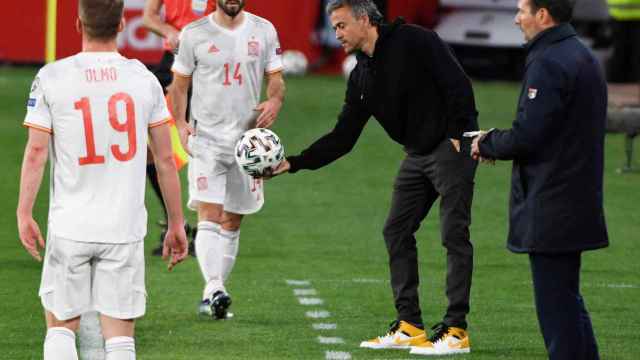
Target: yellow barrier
50 48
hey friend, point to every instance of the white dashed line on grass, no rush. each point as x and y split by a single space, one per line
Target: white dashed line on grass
310 301
307 296
330 340
337 355
298 282
324 326
318 314
305 292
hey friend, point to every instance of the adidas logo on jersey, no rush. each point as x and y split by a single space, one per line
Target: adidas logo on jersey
213 49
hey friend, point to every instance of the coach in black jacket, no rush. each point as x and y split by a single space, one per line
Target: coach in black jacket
408 79
557 148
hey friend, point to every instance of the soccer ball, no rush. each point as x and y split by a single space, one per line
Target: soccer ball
294 62
259 151
348 65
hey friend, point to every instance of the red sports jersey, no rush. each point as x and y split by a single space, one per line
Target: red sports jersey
178 13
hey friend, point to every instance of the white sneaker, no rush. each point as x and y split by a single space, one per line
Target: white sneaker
445 341
401 335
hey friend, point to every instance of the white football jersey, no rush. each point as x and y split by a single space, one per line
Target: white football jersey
227 69
99 107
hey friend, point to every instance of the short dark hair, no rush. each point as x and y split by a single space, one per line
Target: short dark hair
101 18
359 8
560 10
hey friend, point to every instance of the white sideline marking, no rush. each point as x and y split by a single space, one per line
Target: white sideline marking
310 301
330 340
337 355
601 285
622 286
91 344
304 292
324 326
362 280
298 282
318 314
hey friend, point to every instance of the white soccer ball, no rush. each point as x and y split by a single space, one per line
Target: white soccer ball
259 151
294 62
348 65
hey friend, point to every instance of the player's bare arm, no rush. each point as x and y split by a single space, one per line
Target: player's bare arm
178 91
35 159
175 242
152 21
270 108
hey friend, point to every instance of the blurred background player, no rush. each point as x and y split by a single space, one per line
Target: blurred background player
98 108
177 14
226 56
624 65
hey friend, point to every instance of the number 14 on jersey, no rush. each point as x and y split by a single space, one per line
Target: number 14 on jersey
236 74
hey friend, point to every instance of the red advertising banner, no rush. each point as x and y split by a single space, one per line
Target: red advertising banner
24 27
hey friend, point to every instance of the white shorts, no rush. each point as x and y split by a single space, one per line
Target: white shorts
216 178
78 277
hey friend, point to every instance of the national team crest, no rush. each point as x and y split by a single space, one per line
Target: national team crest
203 184
533 93
254 48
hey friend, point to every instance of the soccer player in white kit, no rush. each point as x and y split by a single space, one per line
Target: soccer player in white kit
93 113
226 56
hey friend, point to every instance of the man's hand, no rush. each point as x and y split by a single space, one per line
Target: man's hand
175 247
30 235
268 112
184 131
456 144
173 38
282 168
475 148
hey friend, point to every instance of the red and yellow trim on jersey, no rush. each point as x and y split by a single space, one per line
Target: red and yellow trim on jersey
166 120
37 127
278 70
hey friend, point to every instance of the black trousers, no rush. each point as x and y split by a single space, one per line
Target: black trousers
162 71
563 318
421 179
624 65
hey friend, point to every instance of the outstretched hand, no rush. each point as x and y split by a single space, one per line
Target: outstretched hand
175 247
475 148
282 168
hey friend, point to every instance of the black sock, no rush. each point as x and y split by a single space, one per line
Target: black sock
152 175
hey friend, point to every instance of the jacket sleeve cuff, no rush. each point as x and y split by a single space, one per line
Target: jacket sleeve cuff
485 146
294 164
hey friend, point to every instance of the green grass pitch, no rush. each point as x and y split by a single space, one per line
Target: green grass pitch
325 227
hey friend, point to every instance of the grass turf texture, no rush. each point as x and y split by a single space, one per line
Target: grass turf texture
325 227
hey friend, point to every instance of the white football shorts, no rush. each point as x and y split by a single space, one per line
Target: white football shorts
78 277
216 178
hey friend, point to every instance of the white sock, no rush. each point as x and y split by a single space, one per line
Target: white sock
60 344
120 348
209 252
231 242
